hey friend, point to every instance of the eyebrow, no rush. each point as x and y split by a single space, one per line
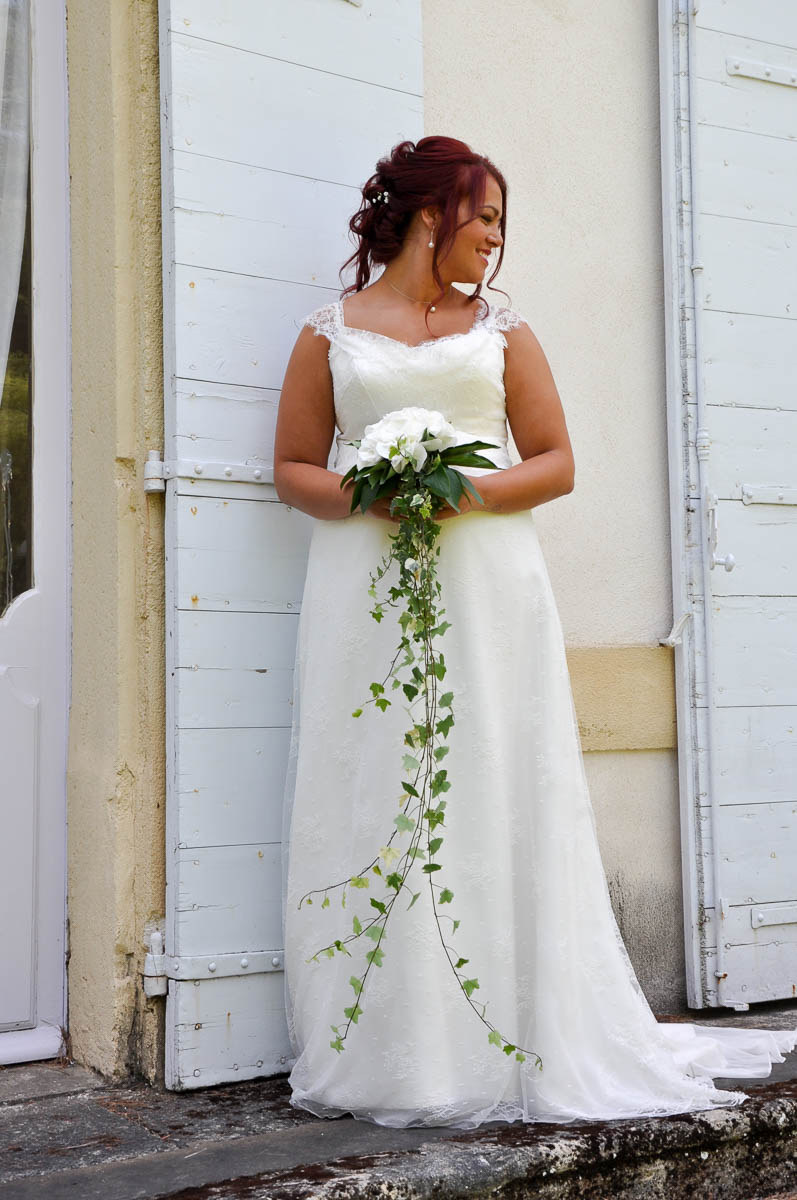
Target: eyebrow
492 206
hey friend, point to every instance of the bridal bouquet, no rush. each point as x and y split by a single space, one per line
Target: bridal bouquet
411 456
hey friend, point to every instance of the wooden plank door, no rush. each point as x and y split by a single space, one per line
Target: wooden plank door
729 74
273 116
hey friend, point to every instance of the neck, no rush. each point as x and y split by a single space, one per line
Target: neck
410 273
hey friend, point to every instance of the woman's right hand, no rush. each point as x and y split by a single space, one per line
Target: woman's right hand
381 509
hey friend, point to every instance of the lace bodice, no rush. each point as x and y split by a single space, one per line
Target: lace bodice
459 374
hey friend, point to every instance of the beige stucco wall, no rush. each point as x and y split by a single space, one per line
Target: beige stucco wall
563 95
116 768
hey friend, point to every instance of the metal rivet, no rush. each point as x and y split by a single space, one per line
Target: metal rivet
235 1066
198 1025
283 1059
196 1072
244 962
258 474
228 471
275 962
197 469
211 966
196 983
259 1062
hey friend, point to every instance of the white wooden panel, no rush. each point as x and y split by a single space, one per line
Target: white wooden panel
19 726
757 752
750 266
231 785
353 122
228 1029
273 118
256 221
755 640
749 446
763 960
763 540
229 897
736 102
759 852
238 328
773 21
225 424
749 359
238 554
748 176
376 42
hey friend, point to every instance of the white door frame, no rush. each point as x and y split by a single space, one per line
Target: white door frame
51 541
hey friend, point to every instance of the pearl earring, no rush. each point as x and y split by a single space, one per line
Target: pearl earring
431 240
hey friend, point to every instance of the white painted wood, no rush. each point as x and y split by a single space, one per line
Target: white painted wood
272 120
34 631
730 168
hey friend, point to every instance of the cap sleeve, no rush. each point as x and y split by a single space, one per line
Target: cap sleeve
508 318
324 321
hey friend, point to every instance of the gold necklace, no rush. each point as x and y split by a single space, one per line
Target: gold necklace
412 298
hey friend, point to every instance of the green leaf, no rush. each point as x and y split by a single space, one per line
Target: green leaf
470 985
410 790
325 902
412 901
446 896
443 726
337 1044
461 962
330 953
356 983
520 1057
356 925
435 845
375 956
377 689
441 752
375 931
494 1037
358 712
446 700
359 881
456 926
508 1048
429 867
410 763
410 691
403 823
377 870
440 668
377 904
382 703
353 1011
394 880
440 629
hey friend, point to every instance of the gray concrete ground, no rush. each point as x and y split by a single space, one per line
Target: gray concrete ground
65 1132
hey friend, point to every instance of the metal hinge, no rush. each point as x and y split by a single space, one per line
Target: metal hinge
159 967
156 471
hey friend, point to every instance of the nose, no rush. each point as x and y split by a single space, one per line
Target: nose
495 239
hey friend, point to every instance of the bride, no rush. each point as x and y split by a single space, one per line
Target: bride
531 911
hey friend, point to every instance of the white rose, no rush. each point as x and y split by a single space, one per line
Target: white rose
399 437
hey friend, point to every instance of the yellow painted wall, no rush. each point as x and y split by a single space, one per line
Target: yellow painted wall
116 741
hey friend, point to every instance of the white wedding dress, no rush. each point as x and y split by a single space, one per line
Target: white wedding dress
520 850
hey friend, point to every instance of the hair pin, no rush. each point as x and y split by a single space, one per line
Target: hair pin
380 198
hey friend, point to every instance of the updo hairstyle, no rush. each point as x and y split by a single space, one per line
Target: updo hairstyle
437 171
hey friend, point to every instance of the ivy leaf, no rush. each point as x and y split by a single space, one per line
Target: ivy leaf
520 1057
377 870
446 700
375 931
440 669
403 823
382 703
325 902
356 926
410 790
508 1048
377 904
412 901
429 867
494 1038
375 956
330 953
441 752
456 926
435 845
353 1012
446 896
358 712
461 962
358 881
440 629
337 1044
470 985
410 691
394 880
410 763
444 725
357 984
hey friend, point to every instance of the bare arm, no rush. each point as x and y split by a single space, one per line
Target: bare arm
537 421
305 429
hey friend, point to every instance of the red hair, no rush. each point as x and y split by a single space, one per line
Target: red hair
439 171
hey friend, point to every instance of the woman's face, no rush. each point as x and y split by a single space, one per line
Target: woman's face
469 257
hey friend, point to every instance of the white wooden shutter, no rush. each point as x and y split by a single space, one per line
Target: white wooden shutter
729 141
273 116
